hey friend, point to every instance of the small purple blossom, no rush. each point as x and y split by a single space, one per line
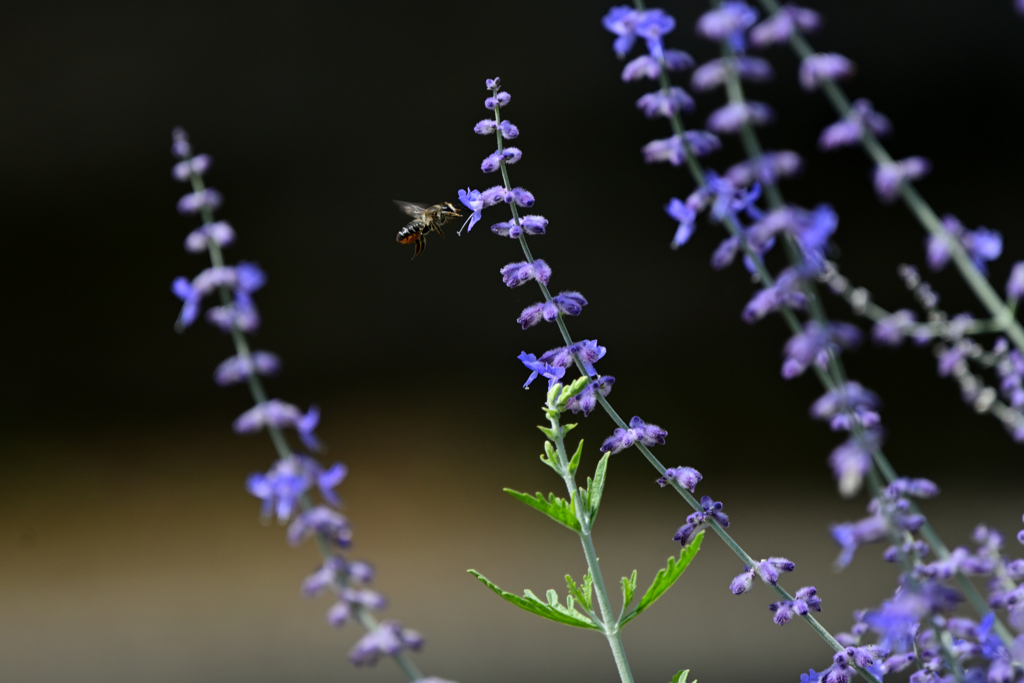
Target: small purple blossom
389 638
742 583
195 202
805 600
731 117
646 66
239 368
219 232
814 344
850 130
329 523
587 399
198 165
1015 283
180 146
828 66
491 163
511 154
473 201
529 225
728 21
621 20
769 168
769 570
508 130
687 218
499 100
278 414
714 73
687 477
665 103
240 314
588 351
637 432
850 462
523 198
710 510
673 149
786 292
778 28
289 479
540 369
849 399
243 278
982 245
894 328
485 127
516 274
495 195
888 178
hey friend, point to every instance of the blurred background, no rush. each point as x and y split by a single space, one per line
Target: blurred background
129 550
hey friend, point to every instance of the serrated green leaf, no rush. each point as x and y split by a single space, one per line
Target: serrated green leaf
666 577
554 507
584 594
628 589
596 488
680 677
548 432
531 603
575 462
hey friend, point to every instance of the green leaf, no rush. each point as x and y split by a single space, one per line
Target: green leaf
550 457
549 610
554 507
575 462
571 390
548 432
628 589
666 577
596 489
585 593
680 677
568 428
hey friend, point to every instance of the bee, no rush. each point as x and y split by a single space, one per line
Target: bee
424 220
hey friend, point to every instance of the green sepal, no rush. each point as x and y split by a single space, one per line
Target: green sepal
680 677
595 488
550 456
575 461
553 394
554 507
666 577
548 432
628 589
583 594
549 610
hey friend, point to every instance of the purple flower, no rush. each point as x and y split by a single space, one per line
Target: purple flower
586 400
713 73
767 169
240 314
180 147
850 461
278 414
778 28
1015 283
473 201
814 344
516 274
588 351
194 202
507 130
742 583
665 103
220 233
334 570
495 195
710 510
329 523
485 127
492 83
851 397
687 218
786 292
621 20
638 432
894 328
889 177
828 66
727 22
539 368
198 165
491 164
511 155
523 198
687 477
646 66
389 638
289 479
770 569
673 149
805 600
499 100
850 130
982 245
731 117
239 368
243 278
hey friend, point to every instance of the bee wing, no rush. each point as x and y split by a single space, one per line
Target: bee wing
411 209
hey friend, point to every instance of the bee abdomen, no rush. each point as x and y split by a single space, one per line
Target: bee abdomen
410 233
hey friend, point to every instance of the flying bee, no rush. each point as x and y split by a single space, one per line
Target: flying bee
424 220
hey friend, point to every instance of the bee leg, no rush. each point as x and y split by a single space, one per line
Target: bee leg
420 245
440 232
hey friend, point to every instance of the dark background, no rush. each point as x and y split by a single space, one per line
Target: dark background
130 551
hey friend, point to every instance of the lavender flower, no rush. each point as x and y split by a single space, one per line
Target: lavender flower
769 168
389 638
239 368
540 369
710 510
982 245
729 118
893 328
566 303
219 233
674 149
687 477
814 344
638 432
727 22
829 66
282 487
518 274
665 103
889 177
1015 283
587 399
713 73
328 523
779 27
805 600
850 130
277 413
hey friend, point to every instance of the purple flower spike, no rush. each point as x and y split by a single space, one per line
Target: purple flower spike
665 104
508 131
389 638
237 369
220 233
889 177
198 164
586 400
473 201
194 202
733 116
828 66
778 28
687 477
516 274
540 369
729 19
